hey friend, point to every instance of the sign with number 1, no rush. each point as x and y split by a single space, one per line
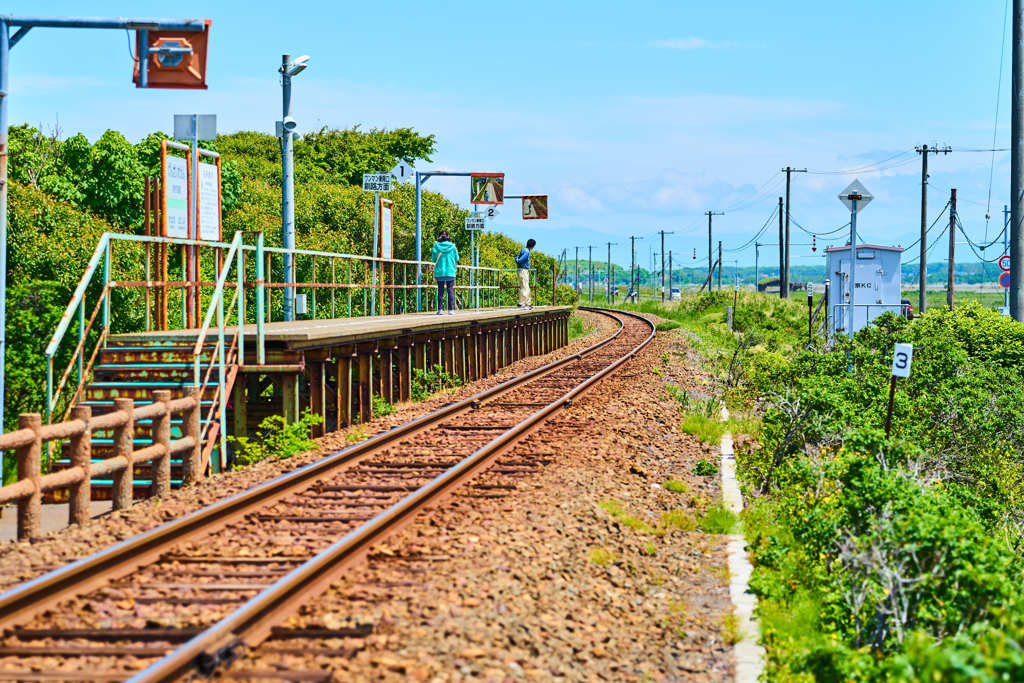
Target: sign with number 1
901 357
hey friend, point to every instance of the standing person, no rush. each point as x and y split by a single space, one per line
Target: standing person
445 256
523 270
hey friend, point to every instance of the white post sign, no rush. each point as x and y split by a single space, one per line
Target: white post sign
476 223
386 242
901 357
209 202
175 209
377 182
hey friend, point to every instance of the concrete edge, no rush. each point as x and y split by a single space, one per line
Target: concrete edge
748 652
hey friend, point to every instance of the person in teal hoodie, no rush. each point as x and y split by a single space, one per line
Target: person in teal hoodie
445 256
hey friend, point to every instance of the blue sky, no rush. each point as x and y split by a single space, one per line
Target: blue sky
633 117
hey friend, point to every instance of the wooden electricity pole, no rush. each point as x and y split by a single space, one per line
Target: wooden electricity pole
922 277
785 278
782 252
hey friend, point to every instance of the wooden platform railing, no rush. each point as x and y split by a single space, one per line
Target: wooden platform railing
28 442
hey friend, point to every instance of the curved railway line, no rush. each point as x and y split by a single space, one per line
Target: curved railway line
184 596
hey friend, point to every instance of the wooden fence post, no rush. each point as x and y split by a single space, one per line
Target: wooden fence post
190 421
80 494
123 447
30 508
160 467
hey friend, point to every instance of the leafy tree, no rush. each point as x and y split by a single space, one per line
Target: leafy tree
114 187
347 154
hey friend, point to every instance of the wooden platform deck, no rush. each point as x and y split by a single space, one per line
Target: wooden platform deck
311 334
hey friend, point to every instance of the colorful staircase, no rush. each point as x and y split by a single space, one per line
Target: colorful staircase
129 369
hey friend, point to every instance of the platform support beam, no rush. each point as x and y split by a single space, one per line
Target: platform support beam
365 386
343 377
290 397
241 407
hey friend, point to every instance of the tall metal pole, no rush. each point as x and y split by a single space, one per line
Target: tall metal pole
5 84
952 248
922 274
632 267
193 219
419 244
782 251
853 261
662 266
376 230
1017 166
287 191
711 259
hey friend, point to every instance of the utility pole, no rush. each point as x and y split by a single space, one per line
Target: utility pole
1017 164
633 284
922 277
757 257
663 233
670 275
711 258
719 266
590 269
785 279
610 245
288 70
952 247
576 280
1006 246
782 253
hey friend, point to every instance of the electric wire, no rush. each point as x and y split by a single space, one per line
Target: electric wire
874 166
918 240
818 234
995 122
753 239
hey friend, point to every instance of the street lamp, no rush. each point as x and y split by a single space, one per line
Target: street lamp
286 128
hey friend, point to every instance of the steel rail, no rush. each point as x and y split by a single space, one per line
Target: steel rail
28 599
252 622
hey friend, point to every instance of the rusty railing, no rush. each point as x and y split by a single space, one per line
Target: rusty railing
31 434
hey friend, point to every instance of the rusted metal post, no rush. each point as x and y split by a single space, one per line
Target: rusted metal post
161 465
365 403
404 374
123 447
458 348
30 509
241 408
315 375
472 367
80 452
343 378
290 397
191 459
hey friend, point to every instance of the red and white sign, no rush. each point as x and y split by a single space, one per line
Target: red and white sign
1004 262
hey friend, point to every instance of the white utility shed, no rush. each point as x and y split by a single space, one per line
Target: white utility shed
877 285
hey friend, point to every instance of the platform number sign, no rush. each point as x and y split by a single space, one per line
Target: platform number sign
901 357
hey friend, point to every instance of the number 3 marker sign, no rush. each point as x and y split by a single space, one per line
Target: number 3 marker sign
901 357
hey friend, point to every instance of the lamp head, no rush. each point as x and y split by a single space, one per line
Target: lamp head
297 65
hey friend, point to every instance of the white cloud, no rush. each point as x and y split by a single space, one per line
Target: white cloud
691 43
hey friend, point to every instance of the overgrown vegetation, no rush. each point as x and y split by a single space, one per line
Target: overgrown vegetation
577 327
65 192
878 558
426 383
275 440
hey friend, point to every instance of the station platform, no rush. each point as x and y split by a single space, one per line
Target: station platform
311 334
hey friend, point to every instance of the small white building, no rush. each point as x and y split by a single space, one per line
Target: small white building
877 285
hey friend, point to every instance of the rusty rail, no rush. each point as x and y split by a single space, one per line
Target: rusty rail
31 434
252 622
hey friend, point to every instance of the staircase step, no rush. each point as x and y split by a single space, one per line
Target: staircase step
141 391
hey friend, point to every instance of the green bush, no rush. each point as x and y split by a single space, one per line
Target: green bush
275 440
426 383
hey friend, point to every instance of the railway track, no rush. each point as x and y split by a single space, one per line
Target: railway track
187 595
